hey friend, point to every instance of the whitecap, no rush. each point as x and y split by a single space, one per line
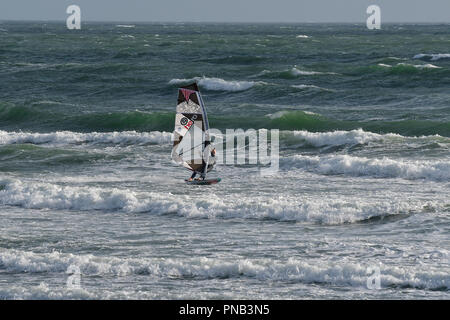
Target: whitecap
374 167
338 138
343 273
432 57
309 86
298 72
419 66
37 195
218 84
69 137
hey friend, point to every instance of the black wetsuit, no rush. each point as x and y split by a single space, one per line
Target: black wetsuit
194 174
202 175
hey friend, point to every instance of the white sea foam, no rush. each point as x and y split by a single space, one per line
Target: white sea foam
217 84
396 58
50 291
44 292
417 66
293 72
69 137
51 196
432 57
427 66
283 113
302 36
298 72
309 86
420 66
337 138
357 137
344 273
361 166
36 195
125 26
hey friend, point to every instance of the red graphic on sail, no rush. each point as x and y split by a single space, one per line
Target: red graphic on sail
189 124
187 93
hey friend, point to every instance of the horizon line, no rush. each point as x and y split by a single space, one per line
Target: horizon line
223 22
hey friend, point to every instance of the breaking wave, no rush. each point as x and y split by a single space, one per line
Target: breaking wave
292 73
361 166
68 137
51 196
217 84
17 116
406 67
399 66
432 57
297 72
300 120
359 137
337 138
297 138
309 86
34 195
342 273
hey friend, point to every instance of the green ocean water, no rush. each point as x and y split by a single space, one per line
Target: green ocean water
87 182
105 77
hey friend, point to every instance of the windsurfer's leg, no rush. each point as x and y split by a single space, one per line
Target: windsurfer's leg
192 176
203 172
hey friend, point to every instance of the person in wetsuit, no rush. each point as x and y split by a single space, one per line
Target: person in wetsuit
202 172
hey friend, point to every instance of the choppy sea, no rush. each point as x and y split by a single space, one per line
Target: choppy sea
359 208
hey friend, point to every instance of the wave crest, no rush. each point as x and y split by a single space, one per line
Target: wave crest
338 138
68 137
344 273
35 195
432 57
217 84
361 166
292 73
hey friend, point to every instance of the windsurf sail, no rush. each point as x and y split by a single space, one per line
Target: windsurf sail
191 141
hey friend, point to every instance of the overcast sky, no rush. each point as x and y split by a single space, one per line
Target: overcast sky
228 10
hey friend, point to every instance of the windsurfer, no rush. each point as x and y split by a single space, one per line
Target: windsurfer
202 170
